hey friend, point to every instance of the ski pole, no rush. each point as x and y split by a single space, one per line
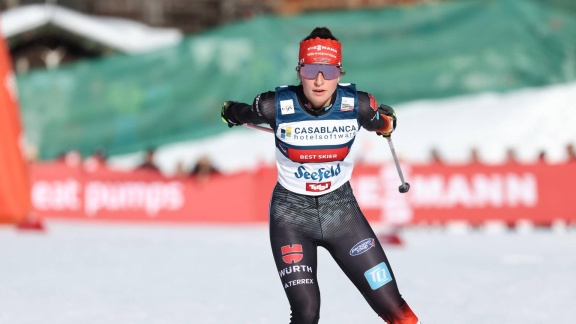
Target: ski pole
264 129
405 186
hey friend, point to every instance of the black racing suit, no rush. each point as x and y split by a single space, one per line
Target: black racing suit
300 223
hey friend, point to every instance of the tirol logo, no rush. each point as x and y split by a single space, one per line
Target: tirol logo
378 276
286 132
318 175
362 246
292 253
317 187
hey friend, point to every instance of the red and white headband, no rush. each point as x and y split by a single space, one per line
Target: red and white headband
320 51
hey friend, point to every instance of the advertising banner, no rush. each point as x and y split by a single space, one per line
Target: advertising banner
72 192
474 194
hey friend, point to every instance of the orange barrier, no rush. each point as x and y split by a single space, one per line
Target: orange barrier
14 178
471 193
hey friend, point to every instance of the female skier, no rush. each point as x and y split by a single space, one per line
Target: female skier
312 204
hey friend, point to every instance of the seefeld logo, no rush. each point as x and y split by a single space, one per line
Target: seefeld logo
318 175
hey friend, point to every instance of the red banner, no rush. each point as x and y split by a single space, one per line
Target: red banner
475 194
438 194
71 192
14 178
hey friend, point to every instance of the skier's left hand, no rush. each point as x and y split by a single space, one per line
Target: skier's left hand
388 113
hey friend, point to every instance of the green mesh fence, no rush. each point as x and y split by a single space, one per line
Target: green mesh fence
128 103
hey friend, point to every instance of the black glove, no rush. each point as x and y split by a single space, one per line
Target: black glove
389 112
226 113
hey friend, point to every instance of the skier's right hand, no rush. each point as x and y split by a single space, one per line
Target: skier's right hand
226 113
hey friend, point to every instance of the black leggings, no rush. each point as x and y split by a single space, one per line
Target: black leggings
300 223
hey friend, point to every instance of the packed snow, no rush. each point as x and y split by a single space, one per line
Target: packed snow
88 272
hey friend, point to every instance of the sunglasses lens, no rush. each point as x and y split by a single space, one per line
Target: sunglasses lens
310 71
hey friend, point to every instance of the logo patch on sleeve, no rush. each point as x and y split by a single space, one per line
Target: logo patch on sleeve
378 276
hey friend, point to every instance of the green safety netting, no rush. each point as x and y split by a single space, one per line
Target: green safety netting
127 103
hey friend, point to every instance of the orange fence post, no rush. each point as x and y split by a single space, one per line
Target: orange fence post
15 202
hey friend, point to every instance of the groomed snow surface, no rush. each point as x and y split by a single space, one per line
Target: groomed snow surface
104 273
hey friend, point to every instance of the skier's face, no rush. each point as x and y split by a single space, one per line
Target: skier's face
318 90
